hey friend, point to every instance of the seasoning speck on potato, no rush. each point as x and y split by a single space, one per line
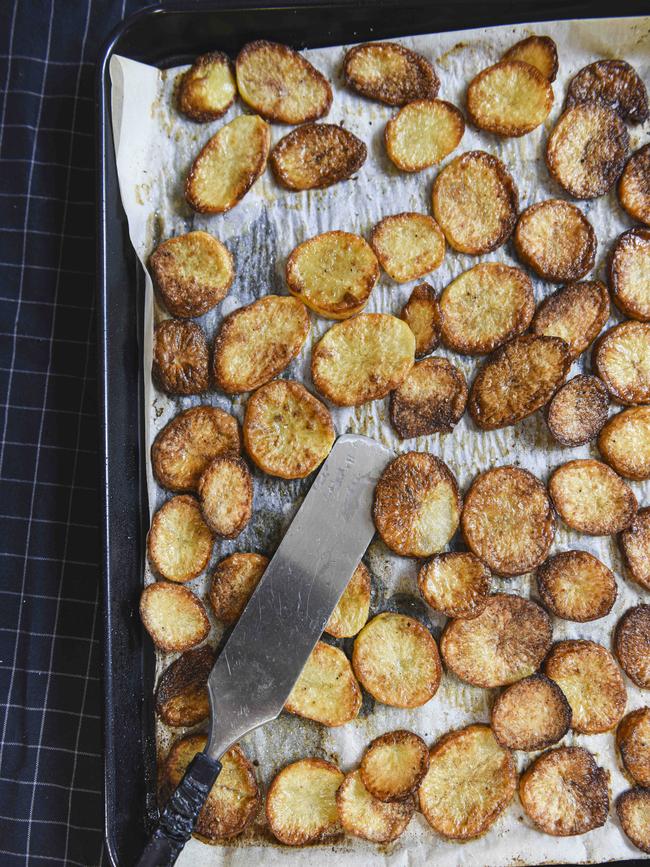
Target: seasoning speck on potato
301 802
365 816
179 543
621 358
629 272
226 494
613 83
632 644
624 443
182 691
180 357
389 73
591 498
556 240
327 690
578 411
634 543
455 583
633 187
173 616
576 313
233 582
351 612
539 51
633 742
394 765
422 314
408 245
316 155
531 714
575 585
423 133
511 98
633 809
430 400
208 88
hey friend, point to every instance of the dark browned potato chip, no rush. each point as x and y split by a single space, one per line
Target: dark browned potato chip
226 494
632 644
179 543
430 400
629 273
208 88
621 358
635 547
422 314
182 690
423 133
301 802
633 742
180 357
556 240
233 583
591 498
390 73
575 585
531 714
576 313
394 765
578 410
365 816
511 98
634 187
173 616
624 442
539 51
613 83
633 808
456 583
316 155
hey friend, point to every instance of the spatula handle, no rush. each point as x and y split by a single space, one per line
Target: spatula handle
181 812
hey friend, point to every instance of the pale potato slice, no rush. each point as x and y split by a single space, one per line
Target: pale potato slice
208 88
556 240
622 360
634 543
390 73
629 272
422 314
613 83
396 660
564 792
591 498
233 582
470 782
633 809
576 313
173 616
633 192
485 307
186 445
408 245
362 359
317 155
365 816
182 691
578 410
333 274
592 682
508 520
531 714
301 802
181 360
179 543
456 583
327 690
417 505
505 642
351 612
431 399
539 51
394 765
633 742
519 378
632 644
475 203
511 98
575 585
226 494
256 342
233 800
228 165
280 84
624 442
423 133
587 149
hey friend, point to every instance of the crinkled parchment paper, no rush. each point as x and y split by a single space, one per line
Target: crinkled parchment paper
155 148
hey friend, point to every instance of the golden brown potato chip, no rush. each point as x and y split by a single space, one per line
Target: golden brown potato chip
576 313
634 543
475 203
470 782
629 273
363 358
173 616
396 660
456 583
621 358
394 765
423 133
179 543
592 682
632 644
316 155
624 443
228 165
539 51
390 73
591 498
633 742
505 642
485 307
301 802
327 690
256 342
556 240
351 612
280 84
208 88
510 98
233 583
182 691
575 585
365 816
430 400
422 314
613 83
180 357
633 188
578 410
531 714
633 809
226 494
408 245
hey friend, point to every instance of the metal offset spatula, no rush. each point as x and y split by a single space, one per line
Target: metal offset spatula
284 618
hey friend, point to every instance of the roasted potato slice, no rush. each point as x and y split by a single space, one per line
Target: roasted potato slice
564 792
257 342
363 358
475 203
233 582
575 585
633 188
179 543
592 682
317 155
280 84
208 88
365 816
182 691
511 98
173 616
531 714
408 245
577 411
539 51
624 443
228 165
396 660
470 782
333 274
394 765
226 494
417 505
422 314
390 73
629 273
233 800
351 612
301 802
632 644
613 83
505 642
423 133
633 742
430 400
327 690
634 543
485 307
591 498
508 520
622 360
633 809
181 360
456 583
556 240
587 149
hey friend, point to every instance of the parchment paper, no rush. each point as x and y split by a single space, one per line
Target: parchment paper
155 148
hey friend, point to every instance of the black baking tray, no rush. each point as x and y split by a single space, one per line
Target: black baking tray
167 35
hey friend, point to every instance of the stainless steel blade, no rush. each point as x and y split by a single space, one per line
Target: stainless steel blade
284 618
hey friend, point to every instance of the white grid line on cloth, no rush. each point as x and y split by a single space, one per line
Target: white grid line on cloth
85 791
62 711
49 164
51 521
54 750
52 822
47 268
65 487
50 446
47 858
70 340
45 303
54 375
21 92
39 128
41 672
16 631
52 598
